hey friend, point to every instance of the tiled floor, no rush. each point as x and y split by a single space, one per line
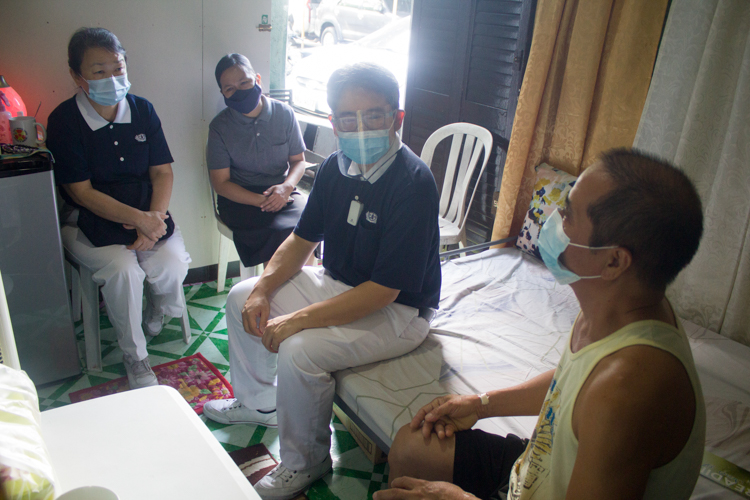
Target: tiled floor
354 477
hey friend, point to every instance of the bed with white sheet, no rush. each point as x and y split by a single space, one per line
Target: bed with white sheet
503 320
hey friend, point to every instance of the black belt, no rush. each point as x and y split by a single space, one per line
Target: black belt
427 313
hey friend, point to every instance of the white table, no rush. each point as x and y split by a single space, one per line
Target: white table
143 444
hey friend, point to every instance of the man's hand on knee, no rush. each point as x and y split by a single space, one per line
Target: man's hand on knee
255 314
410 488
279 329
447 415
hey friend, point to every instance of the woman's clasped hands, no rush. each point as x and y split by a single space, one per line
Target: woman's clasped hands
150 228
276 197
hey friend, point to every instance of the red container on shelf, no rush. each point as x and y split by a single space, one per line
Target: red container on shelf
16 104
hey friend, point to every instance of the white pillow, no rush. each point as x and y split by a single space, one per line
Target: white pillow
25 469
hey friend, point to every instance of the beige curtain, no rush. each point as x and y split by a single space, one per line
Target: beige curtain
698 116
585 85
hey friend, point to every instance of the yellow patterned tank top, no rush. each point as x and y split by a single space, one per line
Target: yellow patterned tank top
543 471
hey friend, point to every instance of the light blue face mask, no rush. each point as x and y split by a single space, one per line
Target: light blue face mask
365 148
108 91
552 243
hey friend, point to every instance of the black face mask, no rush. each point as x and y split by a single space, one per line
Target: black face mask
245 100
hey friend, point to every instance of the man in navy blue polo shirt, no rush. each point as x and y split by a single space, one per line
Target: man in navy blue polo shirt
375 206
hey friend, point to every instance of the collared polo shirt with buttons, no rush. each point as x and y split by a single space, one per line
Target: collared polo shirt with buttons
256 150
395 239
88 147
115 156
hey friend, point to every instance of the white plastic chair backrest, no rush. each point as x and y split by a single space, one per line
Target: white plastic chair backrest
475 140
8 352
213 201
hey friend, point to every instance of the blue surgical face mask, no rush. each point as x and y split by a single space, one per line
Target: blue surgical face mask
367 147
108 91
552 243
244 100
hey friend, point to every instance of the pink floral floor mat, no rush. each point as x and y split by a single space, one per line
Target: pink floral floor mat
193 376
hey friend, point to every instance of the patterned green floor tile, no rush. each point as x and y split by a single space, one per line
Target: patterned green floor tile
221 331
196 344
359 474
167 335
203 317
271 440
157 357
260 431
342 487
237 435
342 442
104 320
117 368
376 484
222 345
213 302
94 380
379 468
218 325
64 387
321 491
207 291
222 368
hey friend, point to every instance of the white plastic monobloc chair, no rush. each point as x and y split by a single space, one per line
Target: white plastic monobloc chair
85 298
461 165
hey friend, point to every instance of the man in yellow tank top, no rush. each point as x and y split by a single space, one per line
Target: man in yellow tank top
622 416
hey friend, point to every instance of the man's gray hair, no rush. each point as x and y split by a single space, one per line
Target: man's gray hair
363 75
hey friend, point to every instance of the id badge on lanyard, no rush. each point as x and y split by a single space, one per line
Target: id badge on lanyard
355 210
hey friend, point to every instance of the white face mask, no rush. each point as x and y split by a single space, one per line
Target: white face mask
552 243
108 91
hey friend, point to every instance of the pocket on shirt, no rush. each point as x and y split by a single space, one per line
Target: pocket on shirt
366 246
139 161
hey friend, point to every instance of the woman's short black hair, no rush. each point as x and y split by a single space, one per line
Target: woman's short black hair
653 210
230 60
89 38
363 75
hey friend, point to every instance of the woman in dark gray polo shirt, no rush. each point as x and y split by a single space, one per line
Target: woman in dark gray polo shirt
255 157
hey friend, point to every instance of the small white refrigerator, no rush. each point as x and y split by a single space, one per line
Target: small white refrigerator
31 261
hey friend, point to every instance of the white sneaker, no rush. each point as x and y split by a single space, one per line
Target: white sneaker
283 484
139 373
231 411
152 321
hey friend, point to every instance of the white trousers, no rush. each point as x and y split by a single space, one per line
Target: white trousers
121 273
297 381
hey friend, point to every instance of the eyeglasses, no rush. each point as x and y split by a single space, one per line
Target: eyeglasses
370 120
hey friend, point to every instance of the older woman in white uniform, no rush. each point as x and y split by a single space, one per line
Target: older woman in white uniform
114 168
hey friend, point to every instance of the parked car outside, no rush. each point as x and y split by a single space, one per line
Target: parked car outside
339 21
302 15
388 47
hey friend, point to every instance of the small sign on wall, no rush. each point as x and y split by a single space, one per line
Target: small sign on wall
264 26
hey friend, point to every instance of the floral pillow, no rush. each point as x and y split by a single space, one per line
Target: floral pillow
550 189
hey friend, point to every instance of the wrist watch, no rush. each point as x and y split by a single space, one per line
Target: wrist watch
484 398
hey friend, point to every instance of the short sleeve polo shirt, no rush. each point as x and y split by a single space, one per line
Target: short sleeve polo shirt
256 150
396 240
110 154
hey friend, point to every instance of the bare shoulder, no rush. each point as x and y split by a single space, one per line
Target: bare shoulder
640 372
639 394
